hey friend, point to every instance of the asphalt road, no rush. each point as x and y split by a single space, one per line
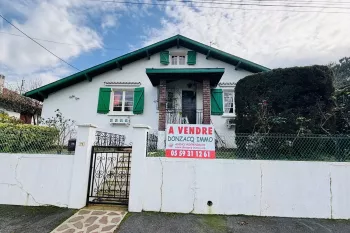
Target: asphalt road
178 223
24 219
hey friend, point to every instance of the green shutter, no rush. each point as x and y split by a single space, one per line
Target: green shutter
191 57
139 99
104 100
164 57
216 102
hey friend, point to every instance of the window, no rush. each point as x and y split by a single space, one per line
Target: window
181 60
170 100
228 102
123 100
178 60
174 60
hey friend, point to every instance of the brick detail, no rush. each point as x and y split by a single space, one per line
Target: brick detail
162 105
206 101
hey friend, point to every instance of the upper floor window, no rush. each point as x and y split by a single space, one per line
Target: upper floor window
178 60
123 100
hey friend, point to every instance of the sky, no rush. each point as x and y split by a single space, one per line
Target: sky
85 33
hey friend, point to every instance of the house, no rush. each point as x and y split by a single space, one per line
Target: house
177 80
18 106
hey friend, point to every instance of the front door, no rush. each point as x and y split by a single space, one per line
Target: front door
189 106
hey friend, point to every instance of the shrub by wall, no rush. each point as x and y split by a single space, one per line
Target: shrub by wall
285 100
27 138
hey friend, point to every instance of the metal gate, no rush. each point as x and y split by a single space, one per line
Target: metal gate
109 177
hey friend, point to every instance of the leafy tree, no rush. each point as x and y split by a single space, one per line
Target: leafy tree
341 71
66 128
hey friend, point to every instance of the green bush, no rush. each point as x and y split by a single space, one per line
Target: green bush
5 118
26 138
285 100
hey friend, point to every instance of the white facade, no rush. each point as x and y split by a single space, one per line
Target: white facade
79 102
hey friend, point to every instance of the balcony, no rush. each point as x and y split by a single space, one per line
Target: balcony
184 116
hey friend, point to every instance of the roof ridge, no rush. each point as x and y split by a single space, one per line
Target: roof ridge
176 40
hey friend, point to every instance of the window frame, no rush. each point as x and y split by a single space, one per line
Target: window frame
228 114
123 112
177 55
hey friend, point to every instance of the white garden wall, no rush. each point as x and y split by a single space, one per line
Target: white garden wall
248 187
47 179
35 179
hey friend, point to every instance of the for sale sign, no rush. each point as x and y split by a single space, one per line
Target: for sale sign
190 141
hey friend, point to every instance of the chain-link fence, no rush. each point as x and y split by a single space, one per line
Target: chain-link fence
26 144
311 147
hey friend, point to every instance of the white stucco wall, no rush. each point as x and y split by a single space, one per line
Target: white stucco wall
84 110
35 179
248 187
11 113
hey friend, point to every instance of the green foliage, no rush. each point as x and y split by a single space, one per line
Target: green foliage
341 72
26 138
285 100
5 118
64 126
342 110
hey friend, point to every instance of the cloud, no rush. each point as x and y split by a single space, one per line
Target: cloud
66 21
109 21
271 38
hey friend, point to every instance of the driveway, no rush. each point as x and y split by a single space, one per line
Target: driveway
176 223
24 219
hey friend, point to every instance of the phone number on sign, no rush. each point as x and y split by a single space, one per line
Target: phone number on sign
204 154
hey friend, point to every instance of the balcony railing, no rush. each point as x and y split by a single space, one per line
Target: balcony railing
183 116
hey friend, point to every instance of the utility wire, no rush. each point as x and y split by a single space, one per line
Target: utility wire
280 1
220 7
255 4
58 42
38 43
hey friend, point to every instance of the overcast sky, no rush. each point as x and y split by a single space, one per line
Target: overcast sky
89 32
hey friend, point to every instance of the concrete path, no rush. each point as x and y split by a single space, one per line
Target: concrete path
93 219
29 219
181 223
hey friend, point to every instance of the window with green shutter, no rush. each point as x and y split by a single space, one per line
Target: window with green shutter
164 57
216 102
139 99
191 57
104 100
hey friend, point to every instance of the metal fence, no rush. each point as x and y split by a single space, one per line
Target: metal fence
311 147
109 139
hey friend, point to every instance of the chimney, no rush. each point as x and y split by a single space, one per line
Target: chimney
2 83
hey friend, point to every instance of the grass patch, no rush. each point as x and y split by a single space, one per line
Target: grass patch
216 222
128 215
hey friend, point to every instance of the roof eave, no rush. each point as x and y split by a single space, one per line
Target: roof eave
139 54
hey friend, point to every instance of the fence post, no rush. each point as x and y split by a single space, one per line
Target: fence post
81 166
139 150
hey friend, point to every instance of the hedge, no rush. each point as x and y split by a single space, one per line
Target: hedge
26 138
289 94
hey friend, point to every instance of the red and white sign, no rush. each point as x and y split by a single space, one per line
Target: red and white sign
190 141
